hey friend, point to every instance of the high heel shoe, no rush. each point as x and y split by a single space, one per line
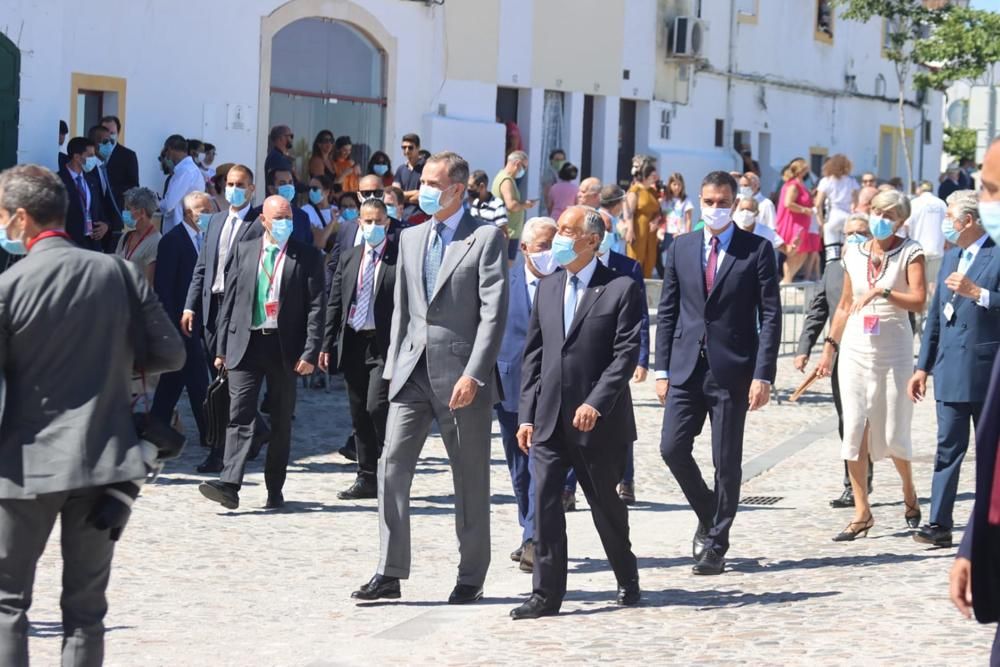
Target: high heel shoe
855 529
912 514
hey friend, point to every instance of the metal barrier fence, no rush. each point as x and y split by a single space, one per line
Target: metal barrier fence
795 300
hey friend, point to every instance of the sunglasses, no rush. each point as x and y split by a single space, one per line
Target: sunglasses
372 194
407 149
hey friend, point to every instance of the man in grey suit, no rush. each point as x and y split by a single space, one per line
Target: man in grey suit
451 306
67 429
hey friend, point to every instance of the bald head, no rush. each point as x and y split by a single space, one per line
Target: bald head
275 207
590 192
370 182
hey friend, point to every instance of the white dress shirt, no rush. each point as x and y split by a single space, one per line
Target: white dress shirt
235 221
585 274
766 214
197 238
966 259
187 178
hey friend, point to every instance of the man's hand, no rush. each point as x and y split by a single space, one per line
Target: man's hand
662 387
640 375
585 418
220 363
464 393
962 286
187 322
916 388
304 367
100 229
760 394
960 586
800 362
524 437
324 362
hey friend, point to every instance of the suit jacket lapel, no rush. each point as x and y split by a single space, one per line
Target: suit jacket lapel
287 268
689 264
590 296
456 250
388 259
982 259
351 270
727 262
420 259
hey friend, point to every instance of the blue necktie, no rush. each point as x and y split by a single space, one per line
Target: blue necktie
569 308
965 262
433 263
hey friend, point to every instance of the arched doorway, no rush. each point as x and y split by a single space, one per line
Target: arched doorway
10 90
328 75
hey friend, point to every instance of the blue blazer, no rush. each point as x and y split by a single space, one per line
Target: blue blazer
959 353
515 331
627 266
176 258
743 299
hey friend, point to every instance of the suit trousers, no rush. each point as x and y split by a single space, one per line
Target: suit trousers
262 360
368 397
687 406
952 443
520 466
193 377
25 526
466 434
628 477
211 332
598 468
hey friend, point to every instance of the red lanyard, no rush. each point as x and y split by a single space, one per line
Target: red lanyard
277 263
129 253
361 273
52 233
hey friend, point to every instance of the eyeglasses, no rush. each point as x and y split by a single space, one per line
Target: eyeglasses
372 194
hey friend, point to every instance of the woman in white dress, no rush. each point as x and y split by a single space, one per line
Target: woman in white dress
836 198
883 283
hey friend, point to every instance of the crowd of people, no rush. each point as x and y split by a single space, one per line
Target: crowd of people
441 302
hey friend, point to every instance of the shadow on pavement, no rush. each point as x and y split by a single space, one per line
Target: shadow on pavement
860 560
717 599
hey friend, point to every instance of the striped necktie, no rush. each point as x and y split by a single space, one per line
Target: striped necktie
363 298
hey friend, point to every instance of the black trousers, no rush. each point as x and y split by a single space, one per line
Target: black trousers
598 469
262 360
211 333
687 406
368 396
192 376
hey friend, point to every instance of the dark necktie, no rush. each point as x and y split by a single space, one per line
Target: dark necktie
81 190
711 265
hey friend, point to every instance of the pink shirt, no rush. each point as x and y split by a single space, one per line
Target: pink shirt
562 195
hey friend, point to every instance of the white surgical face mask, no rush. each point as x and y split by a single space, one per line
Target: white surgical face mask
716 218
544 262
744 219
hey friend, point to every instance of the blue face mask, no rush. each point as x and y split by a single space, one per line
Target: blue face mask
380 169
989 218
12 247
203 220
127 219
856 239
880 227
349 214
606 243
950 233
281 229
104 150
562 250
315 195
91 163
373 234
430 199
287 191
236 196
392 211
519 175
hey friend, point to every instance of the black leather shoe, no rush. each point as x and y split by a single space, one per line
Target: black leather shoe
534 607
711 563
528 558
260 438
515 555
363 487
379 586
350 449
698 543
220 492
275 501
934 534
628 595
211 464
846 499
464 594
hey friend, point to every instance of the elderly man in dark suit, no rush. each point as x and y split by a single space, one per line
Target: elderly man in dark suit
581 352
961 336
821 310
271 326
358 324
67 429
717 337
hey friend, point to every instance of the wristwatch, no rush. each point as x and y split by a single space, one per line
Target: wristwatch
886 292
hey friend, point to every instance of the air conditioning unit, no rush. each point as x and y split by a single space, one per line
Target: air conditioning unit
686 37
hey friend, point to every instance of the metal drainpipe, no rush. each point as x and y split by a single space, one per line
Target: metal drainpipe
729 130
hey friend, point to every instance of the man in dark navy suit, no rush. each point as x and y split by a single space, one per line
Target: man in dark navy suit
282 182
718 331
123 165
960 339
975 576
177 255
581 351
85 218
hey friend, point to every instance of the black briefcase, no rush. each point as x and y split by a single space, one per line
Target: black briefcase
217 409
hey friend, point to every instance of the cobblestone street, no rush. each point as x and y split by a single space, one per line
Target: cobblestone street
196 586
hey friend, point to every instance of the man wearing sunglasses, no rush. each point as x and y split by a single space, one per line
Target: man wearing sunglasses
279 157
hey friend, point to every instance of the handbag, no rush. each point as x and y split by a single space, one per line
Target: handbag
217 409
169 442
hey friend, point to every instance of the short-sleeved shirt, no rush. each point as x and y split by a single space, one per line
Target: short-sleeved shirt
277 161
490 210
515 219
675 210
839 191
409 179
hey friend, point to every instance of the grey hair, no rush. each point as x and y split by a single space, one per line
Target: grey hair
892 200
754 180
925 186
966 202
593 222
533 226
517 156
861 217
458 168
143 199
37 190
190 199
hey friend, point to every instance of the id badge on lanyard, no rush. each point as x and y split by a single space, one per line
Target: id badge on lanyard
271 302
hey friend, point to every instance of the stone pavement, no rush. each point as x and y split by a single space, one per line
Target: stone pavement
194 585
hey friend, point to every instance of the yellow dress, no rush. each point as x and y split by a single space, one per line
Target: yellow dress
647 209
